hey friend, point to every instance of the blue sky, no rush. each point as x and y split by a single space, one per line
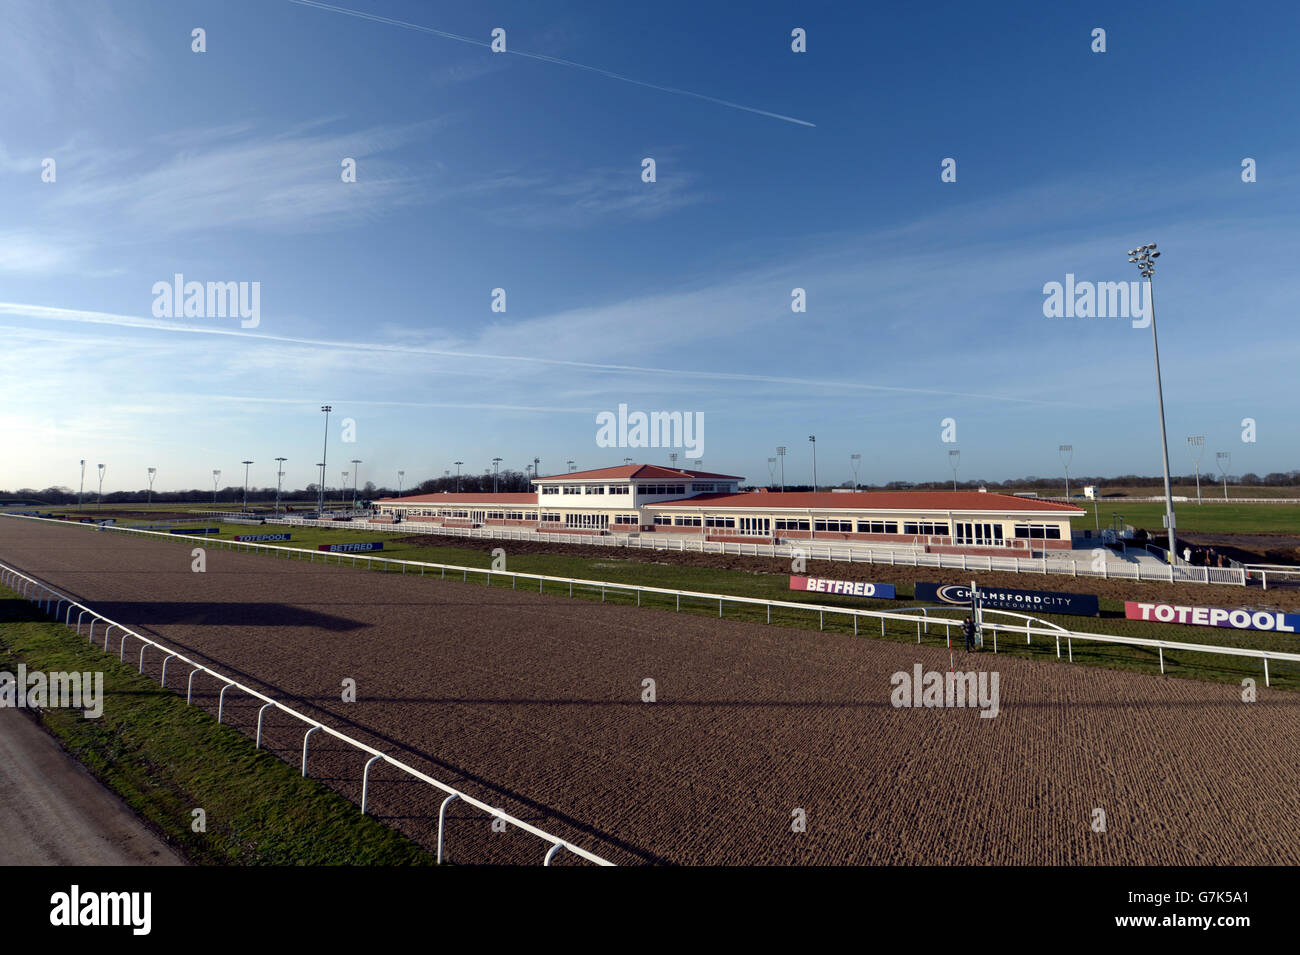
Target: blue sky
479 170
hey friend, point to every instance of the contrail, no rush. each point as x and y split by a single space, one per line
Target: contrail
546 59
52 313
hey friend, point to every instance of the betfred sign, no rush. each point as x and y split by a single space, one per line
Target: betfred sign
1003 598
1214 617
249 538
351 548
849 588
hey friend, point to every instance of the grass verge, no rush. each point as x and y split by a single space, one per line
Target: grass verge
165 758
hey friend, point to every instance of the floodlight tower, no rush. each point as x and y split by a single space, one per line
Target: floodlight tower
855 462
100 501
216 476
780 453
245 464
343 489
1196 445
82 489
812 439
400 476
152 472
954 459
279 477
1144 257
771 471
672 457
496 464
1223 458
356 474
323 458
1067 455
570 467
627 460
458 464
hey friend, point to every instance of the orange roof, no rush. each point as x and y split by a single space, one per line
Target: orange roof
643 471
875 500
466 498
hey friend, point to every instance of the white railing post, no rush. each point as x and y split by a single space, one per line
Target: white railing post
304 747
365 782
262 709
221 701
442 819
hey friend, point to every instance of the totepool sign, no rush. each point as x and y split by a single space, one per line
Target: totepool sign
351 548
1214 617
849 588
249 538
1003 598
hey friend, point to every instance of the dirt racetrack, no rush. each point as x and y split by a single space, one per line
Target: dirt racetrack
534 703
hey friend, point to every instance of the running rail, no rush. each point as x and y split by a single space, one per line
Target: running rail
1048 629
45 597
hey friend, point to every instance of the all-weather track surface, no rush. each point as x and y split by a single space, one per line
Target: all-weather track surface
535 705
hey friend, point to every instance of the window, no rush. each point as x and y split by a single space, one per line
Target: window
594 489
550 489
514 515
496 515
572 489
586 520
618 489
877 527
682 520
925 527
551 517
719 522
662 489
791 525
626 519
663 519
823 525
1039 531
704 487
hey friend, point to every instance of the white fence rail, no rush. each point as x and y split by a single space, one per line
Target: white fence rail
814 550
47 597
904 614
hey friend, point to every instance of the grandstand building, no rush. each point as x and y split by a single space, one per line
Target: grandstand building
648 499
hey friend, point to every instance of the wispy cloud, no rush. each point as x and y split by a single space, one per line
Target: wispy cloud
541 57
235 179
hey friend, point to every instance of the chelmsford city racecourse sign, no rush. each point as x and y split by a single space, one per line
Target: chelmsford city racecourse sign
1003 598
1214 617
248 538
850 588
351 548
